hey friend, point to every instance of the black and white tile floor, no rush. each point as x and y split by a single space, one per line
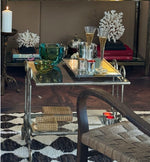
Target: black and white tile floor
49 148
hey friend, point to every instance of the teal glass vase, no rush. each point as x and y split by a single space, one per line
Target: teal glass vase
52 52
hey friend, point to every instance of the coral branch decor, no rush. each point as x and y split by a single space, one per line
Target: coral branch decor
113 21
27 42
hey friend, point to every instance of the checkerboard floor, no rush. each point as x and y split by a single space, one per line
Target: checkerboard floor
48 148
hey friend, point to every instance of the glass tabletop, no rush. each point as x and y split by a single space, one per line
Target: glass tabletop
66 73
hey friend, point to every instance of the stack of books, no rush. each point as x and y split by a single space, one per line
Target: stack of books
124 55
18 57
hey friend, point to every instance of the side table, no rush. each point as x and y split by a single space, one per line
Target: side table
5 78
65 74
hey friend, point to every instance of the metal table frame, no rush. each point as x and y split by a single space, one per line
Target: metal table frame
26 131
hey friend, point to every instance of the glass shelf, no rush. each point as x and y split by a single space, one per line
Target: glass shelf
67 76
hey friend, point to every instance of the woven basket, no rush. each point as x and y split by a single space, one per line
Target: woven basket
64 117
47 126
56 110
53 126
48 118
45 123
45 118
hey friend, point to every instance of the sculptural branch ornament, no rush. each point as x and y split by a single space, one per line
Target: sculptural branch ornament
113 21
27 39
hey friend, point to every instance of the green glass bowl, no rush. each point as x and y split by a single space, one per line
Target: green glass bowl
43 66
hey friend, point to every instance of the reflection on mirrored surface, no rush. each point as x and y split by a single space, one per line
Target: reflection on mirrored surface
43 66
52 76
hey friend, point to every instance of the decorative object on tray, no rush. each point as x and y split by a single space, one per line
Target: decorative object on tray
111 27
83 52
103 35
75 55
52 52
113 21
73 46
89 32
27 42
86 51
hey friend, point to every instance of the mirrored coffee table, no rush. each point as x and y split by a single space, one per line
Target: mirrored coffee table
65 74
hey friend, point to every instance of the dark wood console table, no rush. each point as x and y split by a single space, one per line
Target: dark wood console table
5 78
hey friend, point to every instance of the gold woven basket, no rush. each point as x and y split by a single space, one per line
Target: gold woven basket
64 117
45 127
48 118
45 118
45 123
60 113
56 110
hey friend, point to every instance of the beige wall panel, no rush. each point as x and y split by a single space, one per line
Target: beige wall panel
60 21
26 15
143 28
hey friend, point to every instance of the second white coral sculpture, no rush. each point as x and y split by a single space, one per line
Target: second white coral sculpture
28 39
113 22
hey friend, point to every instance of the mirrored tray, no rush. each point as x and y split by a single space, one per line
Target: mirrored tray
110 71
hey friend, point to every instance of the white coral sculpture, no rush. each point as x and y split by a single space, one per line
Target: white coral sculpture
112 21
28 39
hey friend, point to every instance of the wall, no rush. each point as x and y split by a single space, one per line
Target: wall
26 15
143 27
59 21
